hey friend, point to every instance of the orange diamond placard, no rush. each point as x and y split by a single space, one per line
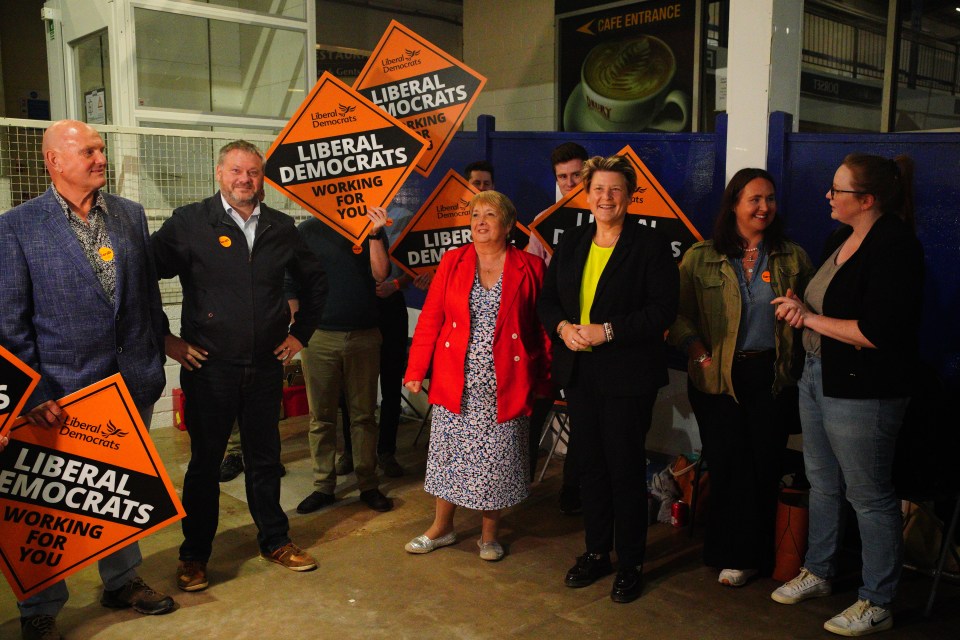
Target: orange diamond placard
17 382
443 222
651 203
423 86
340 154
73 495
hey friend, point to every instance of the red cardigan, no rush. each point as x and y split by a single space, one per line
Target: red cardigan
521 348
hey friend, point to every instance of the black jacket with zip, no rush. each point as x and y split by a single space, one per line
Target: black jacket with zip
234 305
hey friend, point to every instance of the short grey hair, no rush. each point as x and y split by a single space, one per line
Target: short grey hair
239 145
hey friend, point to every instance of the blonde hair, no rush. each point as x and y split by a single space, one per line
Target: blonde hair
507 212
613 164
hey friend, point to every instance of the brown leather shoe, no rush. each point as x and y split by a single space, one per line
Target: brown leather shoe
138 595
292 557
40 627
192 575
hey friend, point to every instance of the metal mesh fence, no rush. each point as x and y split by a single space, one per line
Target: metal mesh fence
159 168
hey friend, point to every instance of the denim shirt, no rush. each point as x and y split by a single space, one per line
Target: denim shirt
757 322
710 309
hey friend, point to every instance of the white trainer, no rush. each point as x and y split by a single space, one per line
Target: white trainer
804 586
861 619
735 577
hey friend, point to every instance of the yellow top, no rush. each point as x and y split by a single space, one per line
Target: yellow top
597 261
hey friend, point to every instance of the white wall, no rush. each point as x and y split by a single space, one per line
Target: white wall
358 28
516 54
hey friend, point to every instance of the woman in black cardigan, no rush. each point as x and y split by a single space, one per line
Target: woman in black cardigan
861 319
609 295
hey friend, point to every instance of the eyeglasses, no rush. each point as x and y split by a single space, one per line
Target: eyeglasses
834 192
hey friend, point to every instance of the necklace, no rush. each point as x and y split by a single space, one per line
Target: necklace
497 264
612 242
749 260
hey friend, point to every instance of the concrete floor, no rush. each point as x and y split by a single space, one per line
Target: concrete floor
368 587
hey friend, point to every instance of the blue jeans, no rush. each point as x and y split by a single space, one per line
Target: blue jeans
116 569
848 447
217 395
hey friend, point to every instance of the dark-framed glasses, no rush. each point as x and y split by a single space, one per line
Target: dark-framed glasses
834 191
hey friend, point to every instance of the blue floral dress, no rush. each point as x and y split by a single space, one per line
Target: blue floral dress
473 461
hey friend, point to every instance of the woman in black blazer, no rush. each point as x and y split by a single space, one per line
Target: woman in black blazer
609 295
860 320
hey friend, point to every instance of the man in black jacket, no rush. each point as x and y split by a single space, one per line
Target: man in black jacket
230 253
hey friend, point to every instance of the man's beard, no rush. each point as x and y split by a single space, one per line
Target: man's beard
252 200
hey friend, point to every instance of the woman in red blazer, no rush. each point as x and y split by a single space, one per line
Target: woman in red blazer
490 356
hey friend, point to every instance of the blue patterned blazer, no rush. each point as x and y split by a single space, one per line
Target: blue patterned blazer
55 315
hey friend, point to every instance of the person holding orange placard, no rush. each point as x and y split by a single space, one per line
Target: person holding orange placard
79 301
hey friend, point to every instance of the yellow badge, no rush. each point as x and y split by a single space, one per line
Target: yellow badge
765 276
225 241
106 253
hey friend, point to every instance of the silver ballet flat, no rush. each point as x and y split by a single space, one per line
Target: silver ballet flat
423 544
491 551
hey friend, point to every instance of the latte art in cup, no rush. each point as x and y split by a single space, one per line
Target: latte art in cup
630 70
626 86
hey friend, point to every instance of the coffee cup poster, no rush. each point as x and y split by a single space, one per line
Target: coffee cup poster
627 68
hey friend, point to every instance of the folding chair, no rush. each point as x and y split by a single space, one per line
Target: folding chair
406 400
426 416
923 469
557 424
947 531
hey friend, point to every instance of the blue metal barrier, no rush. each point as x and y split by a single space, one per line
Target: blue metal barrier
691 167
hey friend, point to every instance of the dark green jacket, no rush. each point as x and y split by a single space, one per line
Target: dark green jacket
710 309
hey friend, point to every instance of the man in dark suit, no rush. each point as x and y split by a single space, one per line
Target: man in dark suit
79 301
230 252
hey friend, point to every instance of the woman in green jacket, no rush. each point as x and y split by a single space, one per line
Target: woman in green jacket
741 360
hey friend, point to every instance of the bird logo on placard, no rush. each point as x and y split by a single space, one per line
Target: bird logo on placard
113 430
412 53
344 109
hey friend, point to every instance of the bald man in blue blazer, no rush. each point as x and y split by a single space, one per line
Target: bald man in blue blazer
79 301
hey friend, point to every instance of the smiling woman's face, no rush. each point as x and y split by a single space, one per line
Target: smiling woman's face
486 224
608 197
756 207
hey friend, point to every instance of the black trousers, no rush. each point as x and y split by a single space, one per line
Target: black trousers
743 444
217 395
394 326
610 438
